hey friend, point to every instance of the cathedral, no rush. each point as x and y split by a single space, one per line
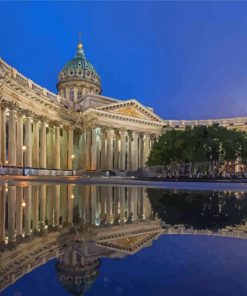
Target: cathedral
78 128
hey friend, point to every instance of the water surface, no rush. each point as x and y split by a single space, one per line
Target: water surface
88 240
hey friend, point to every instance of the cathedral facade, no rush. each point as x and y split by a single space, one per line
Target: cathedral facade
78 128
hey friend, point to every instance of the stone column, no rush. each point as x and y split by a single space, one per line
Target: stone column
19 140
133 195
3 136
11 213
129 164
70 204
57 147
129 211
42 197
88 149
19 211
35 207
93 205
108 194
146 148
57 204
103 149
141 158
2 214
70 148
67 93
50 147
116 202
146 205
116 153
93 150
12 136
134 152
75 94
122 203
36 143
27 209
28 140
109 165
43 147
122 149
102 205
83 150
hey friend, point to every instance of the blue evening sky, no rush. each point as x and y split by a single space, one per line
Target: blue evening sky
186 59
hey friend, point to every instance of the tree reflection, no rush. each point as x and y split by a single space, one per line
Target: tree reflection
202 210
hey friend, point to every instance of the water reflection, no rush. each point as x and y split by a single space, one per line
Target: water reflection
198 209
78 225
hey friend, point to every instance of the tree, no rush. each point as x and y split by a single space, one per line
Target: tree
200 209
199 144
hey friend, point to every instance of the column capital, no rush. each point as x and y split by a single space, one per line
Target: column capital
68 127
110 132
36 119
9 105
42 118
56 123
28 113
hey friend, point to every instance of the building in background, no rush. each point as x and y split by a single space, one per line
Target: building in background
79 128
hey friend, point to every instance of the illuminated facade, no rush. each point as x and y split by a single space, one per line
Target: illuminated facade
78 128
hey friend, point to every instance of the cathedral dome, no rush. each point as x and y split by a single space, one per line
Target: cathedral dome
77 280
78 77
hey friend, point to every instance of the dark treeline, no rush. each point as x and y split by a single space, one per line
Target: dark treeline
199 144
202 210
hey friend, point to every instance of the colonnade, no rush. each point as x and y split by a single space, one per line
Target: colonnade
31 141
117 149
28 140
28 210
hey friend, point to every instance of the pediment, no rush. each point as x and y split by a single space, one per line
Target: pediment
130 244
131 108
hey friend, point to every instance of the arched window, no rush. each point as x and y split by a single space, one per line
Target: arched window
71 95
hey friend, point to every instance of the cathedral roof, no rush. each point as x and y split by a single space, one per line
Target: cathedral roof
79 69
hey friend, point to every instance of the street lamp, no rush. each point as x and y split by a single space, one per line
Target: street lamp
72 157
23 203
24 149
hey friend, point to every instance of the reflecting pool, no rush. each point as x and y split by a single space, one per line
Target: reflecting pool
67 239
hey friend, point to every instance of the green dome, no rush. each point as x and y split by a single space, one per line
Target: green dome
79 69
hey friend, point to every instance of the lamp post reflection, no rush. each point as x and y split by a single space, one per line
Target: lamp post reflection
24 149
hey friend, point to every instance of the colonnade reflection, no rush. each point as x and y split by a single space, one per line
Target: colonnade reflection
78 225
33 210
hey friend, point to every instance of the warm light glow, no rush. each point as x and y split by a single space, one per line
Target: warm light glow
47 125
23 204
6 162
73 156
7 189
24 148
72 196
